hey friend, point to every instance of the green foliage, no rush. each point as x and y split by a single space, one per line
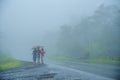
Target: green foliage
62 58
97 35
9 63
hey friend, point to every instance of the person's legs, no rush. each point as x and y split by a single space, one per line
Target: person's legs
39 58
42 59
34 58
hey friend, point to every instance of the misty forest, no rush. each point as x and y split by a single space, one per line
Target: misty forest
94 37
81 40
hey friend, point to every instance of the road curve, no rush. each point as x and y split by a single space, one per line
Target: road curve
32 71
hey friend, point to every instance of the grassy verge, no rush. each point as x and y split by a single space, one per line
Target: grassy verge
9 63
91 60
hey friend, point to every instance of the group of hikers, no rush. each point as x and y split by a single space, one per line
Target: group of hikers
38 53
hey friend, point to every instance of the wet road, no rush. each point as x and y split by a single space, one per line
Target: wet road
110 71
32 71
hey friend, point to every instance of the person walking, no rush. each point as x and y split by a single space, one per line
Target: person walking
38 54
42 55
34 55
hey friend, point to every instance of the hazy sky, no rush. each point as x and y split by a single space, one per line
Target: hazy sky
24 22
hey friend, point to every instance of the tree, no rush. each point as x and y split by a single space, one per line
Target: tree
97 35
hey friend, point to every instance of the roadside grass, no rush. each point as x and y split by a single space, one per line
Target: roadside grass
9 63
91 60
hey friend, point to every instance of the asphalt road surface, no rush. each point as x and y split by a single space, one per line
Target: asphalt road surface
106 70
32 71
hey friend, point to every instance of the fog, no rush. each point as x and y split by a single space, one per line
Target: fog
28 23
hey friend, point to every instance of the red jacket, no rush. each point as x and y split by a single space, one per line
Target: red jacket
42 53
39 51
